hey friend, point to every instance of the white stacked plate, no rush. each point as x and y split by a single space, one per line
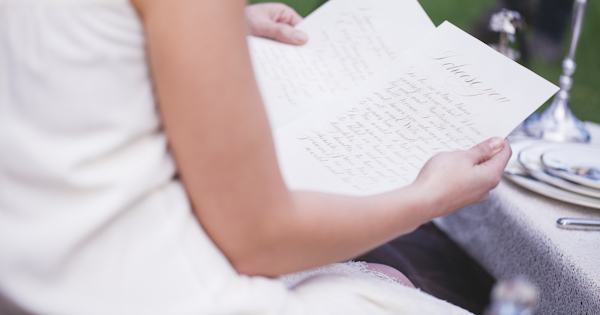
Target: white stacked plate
580 165
565 171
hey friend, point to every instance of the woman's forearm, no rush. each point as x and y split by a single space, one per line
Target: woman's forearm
220 137
317 229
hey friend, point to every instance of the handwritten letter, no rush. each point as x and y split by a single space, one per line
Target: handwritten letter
448 92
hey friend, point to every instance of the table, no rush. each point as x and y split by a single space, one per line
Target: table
514 233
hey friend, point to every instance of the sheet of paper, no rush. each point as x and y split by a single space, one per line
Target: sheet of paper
349 40
447 92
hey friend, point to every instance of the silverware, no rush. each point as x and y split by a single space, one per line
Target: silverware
578 224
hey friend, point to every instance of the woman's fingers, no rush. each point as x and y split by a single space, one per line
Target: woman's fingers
500 158
275 21
461 178
286 14
494 166
283 33
486 150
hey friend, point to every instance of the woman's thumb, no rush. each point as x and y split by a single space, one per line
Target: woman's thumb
486 150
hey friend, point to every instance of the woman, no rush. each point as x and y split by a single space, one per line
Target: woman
93 219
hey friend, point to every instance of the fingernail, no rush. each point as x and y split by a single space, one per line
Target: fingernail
496 143
299 36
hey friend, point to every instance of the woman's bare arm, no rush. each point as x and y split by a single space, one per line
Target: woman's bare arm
220 136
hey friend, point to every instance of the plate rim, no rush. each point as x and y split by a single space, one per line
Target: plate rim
533 185
568 176
558 182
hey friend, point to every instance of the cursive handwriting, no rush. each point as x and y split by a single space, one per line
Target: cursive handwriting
387 136
464 83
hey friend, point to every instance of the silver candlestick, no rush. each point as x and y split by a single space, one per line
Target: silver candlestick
557 123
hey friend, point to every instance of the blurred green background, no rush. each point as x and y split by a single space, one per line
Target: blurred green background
585 94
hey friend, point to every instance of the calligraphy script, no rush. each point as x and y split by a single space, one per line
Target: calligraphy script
464 82
329 66
348 42
387 136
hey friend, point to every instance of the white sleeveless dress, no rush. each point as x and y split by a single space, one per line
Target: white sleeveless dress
92 219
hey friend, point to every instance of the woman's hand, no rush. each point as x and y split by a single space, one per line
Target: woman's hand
275 21
460 178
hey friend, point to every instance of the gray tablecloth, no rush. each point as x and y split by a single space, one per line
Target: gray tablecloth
514 233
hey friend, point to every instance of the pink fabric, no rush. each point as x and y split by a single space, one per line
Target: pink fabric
392 272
